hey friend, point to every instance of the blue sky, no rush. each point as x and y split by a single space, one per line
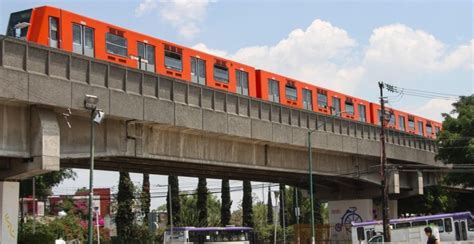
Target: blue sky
344 45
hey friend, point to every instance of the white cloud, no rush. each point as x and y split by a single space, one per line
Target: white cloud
184 15
203 48
434 107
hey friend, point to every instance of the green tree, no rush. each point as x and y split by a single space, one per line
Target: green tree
145 197
201 204
269 207
434 200
456 141
175 201
247 213
44 183
125 199
226 203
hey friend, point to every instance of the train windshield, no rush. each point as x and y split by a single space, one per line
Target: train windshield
19 23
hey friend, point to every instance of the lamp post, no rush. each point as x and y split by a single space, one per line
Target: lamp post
90 103
310 172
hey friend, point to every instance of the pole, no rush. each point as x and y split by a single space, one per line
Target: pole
171 212
34 205
282 194
91 178
275 219
310 162
383 159
97 221
297 214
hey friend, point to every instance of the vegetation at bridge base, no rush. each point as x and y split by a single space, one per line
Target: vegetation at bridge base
247 213
269 207
44 183
226 203
174 187
124 218
202 201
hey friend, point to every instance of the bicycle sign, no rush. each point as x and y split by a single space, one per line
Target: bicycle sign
346 219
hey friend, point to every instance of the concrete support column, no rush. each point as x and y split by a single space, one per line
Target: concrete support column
9 197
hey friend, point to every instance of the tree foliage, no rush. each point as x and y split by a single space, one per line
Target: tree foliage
247 213
201 204
189 214
226 203
145 197
434 200
456 140
269 207
44 183
175 204
125 199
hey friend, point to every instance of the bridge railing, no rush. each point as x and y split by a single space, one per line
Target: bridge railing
30 57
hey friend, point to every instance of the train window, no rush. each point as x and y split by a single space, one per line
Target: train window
116 44
76 34
198 71
362 113
456 230
448 225
418 223
403 225
336 106
470 224
411 123
429 129
420 128
360 233
401 122
273 91
290 92
18 24
173 60
242 82
349 107
53 32
146 54
438 223
437 129
322 100
307 99
221 73
392 119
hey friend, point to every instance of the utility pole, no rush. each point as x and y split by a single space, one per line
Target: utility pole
383 159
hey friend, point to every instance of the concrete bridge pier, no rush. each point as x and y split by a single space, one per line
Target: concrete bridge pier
29 147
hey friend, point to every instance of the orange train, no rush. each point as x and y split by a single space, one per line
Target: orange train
75 33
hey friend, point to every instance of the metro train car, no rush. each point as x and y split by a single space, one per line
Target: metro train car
78 34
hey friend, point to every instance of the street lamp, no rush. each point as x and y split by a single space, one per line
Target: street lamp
97 115
310 172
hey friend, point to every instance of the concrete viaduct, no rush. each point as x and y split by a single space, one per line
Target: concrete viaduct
160 125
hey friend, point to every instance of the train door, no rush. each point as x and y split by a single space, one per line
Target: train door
463 229
307 99
470 229
273 90
242 78
83 40
198 70
336 106
146 54
53 36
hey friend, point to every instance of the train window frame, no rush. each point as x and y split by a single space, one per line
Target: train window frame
437 223
109 42
420 125
289 90
242 82
336 110
403 225
322 100
349 107
274 90
429 129
221 68
198 71
418 223
401 123
172 58
307 104
362 115
53 27
448 227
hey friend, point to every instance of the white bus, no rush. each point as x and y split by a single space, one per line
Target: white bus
451 226
211 235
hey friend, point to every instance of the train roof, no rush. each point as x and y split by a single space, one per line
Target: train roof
458 215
